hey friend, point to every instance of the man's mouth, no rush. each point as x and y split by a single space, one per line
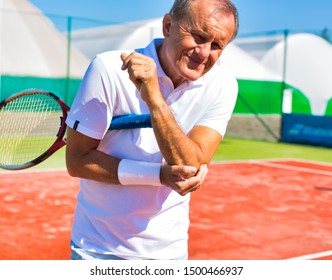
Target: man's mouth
194 63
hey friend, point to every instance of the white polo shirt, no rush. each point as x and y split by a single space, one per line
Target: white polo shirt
139 222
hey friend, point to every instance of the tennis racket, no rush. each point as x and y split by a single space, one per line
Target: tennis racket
33 127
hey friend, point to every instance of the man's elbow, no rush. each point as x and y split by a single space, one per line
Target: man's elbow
72 167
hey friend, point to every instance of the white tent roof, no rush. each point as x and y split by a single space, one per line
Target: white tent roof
245 66
257 46
32 46
138 34
125 36
309 67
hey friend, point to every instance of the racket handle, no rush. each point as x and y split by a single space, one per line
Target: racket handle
130 121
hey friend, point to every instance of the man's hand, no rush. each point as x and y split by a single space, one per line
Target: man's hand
142 72
183 179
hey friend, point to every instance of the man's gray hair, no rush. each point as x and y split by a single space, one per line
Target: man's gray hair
181 8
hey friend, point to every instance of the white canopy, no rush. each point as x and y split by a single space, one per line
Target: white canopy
308 67
32 46
138 34
125 36
245 66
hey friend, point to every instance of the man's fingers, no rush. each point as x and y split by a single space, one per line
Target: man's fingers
124 59
193 183
183 179
189 185
186 171
202 172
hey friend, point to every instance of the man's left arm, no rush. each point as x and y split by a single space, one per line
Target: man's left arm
193 149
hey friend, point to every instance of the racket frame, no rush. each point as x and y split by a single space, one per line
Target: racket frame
59 142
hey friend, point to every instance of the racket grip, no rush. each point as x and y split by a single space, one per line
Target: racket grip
130 121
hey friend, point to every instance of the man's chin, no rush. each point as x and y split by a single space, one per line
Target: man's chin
193 75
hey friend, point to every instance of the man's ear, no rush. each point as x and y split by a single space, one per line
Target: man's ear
167 22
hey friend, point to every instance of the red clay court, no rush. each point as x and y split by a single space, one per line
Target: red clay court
251 210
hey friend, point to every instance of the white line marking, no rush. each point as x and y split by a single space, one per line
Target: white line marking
281 160
313 256
308 161
294 168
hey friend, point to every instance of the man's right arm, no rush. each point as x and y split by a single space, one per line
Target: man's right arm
84 160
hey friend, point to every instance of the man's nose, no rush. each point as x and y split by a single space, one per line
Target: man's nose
203 49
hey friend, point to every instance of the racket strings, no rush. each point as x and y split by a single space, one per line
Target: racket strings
28 126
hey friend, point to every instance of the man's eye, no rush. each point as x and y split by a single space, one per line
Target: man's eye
217 46
198 37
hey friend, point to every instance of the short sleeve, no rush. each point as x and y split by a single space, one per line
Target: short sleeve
91 111
220 112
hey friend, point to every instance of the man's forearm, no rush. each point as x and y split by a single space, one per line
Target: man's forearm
176 147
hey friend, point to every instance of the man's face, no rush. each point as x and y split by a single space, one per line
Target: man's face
194 44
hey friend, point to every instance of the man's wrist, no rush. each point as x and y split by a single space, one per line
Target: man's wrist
132 172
